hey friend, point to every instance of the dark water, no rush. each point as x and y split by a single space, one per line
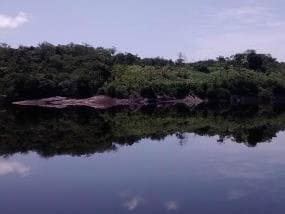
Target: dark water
149 161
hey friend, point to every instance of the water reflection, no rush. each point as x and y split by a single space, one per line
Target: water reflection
236 194
8 167
85 131
171 205
151 176
133 202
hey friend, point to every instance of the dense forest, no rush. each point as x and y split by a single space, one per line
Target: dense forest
75 70
84 131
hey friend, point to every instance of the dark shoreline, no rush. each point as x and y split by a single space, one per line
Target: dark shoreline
106 102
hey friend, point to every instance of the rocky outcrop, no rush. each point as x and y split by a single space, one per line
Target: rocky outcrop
105 102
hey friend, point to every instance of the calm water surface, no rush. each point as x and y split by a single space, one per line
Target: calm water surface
176 173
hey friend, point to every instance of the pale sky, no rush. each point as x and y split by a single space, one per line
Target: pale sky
200 29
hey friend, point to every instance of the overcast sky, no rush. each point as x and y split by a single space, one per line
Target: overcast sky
200 29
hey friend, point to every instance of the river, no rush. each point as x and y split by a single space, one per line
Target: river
142 161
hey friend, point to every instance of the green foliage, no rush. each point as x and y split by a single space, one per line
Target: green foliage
48 70
83 71
148 81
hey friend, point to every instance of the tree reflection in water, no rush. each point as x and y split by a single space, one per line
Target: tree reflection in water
85 131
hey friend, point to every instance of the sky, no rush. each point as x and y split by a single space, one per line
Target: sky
200 29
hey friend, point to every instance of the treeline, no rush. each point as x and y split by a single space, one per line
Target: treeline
81 71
